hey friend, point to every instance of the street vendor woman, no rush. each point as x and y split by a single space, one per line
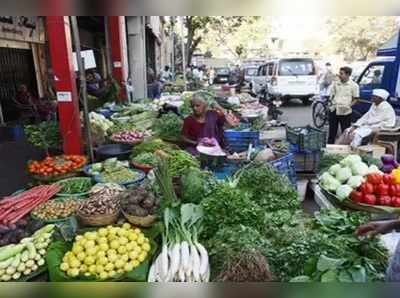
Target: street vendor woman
204 123
380 115
373 229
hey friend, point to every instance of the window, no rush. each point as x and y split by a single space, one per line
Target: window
264 70
251 71
296 67
270 70
372 76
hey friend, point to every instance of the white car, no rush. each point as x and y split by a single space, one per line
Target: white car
292 78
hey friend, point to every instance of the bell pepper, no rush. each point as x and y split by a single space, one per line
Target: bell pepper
396 174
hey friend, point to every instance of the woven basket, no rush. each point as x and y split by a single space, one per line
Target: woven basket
143 222
98 220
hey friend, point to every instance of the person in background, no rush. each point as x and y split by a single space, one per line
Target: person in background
204 123
154 85
380 115
166 74
377 78
95 86
326 81
211 76
344 94
373 229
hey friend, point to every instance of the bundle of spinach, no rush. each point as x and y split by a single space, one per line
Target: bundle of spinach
328 160
168 126
44 135
270 190
196 185
229 206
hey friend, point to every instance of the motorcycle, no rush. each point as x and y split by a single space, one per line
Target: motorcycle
273 101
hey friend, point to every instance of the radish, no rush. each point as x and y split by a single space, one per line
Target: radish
175 257
164 262
185 257
203 259
195 263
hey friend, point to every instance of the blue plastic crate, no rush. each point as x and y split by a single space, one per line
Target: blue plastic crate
228 170
285 165
238 141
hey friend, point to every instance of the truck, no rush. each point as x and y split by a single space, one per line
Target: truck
382 73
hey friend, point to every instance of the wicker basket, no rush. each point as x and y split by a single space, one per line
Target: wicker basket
98 220
143 222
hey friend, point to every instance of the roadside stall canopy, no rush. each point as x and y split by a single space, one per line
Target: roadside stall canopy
390 48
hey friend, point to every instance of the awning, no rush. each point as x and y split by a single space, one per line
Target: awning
390 47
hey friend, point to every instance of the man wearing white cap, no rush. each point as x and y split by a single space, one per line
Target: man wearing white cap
380 115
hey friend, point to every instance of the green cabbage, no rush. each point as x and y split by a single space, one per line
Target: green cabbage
360 169
343 192
334 169
355 181
329 182
350 160
373 169
344 174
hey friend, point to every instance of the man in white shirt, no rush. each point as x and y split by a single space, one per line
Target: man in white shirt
344 93
380 115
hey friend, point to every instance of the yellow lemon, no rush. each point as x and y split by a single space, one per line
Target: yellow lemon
102 232
104 247
123 240
103 261
114 244
142 256
74 272
128 267
99 269
135 263
76 249
121 250
109 267
119 271
146 247
102 240
89 260
119 264
113 258
129 246
103 275
133 255
90 236
111 252
81 256
125 258
137 230
126 226
90 244
91 251
92 269
64 266
138 250
83 268
78 237
74 263
101 254
132 236
140 240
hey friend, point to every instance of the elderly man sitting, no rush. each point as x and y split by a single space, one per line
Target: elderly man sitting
380 115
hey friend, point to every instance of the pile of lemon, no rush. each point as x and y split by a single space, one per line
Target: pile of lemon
106 252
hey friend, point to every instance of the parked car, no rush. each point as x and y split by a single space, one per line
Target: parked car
292 78
222 75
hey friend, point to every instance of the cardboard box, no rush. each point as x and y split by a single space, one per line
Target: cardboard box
375 151
338 149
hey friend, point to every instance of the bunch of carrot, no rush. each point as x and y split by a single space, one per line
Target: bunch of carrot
16 207
57 165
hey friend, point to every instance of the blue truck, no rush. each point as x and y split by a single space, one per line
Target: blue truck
383 72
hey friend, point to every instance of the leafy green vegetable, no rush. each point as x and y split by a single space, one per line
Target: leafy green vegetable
168 127
196 185
179 161
228 206
145 158
270 190
151 146
328 160
44 135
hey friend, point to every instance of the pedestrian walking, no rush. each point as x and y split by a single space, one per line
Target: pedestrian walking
344 93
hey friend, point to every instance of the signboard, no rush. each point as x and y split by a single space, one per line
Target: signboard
64 96
22 28
88 58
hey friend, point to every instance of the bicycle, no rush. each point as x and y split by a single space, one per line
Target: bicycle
320 110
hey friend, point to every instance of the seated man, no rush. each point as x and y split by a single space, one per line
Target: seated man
380 115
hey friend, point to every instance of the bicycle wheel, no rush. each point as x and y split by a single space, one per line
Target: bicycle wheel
320 114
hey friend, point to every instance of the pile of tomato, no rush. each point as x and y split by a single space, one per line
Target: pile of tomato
381 190
57 165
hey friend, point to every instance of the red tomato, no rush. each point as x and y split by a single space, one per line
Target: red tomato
393 190
370 199
367 188
382 189
395 202
385 201
374 179
389 179
356 196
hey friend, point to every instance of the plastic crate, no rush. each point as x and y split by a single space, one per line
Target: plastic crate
306 161
228 170
238 141
285 165
314 140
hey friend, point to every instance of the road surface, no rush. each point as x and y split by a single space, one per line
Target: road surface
296 114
